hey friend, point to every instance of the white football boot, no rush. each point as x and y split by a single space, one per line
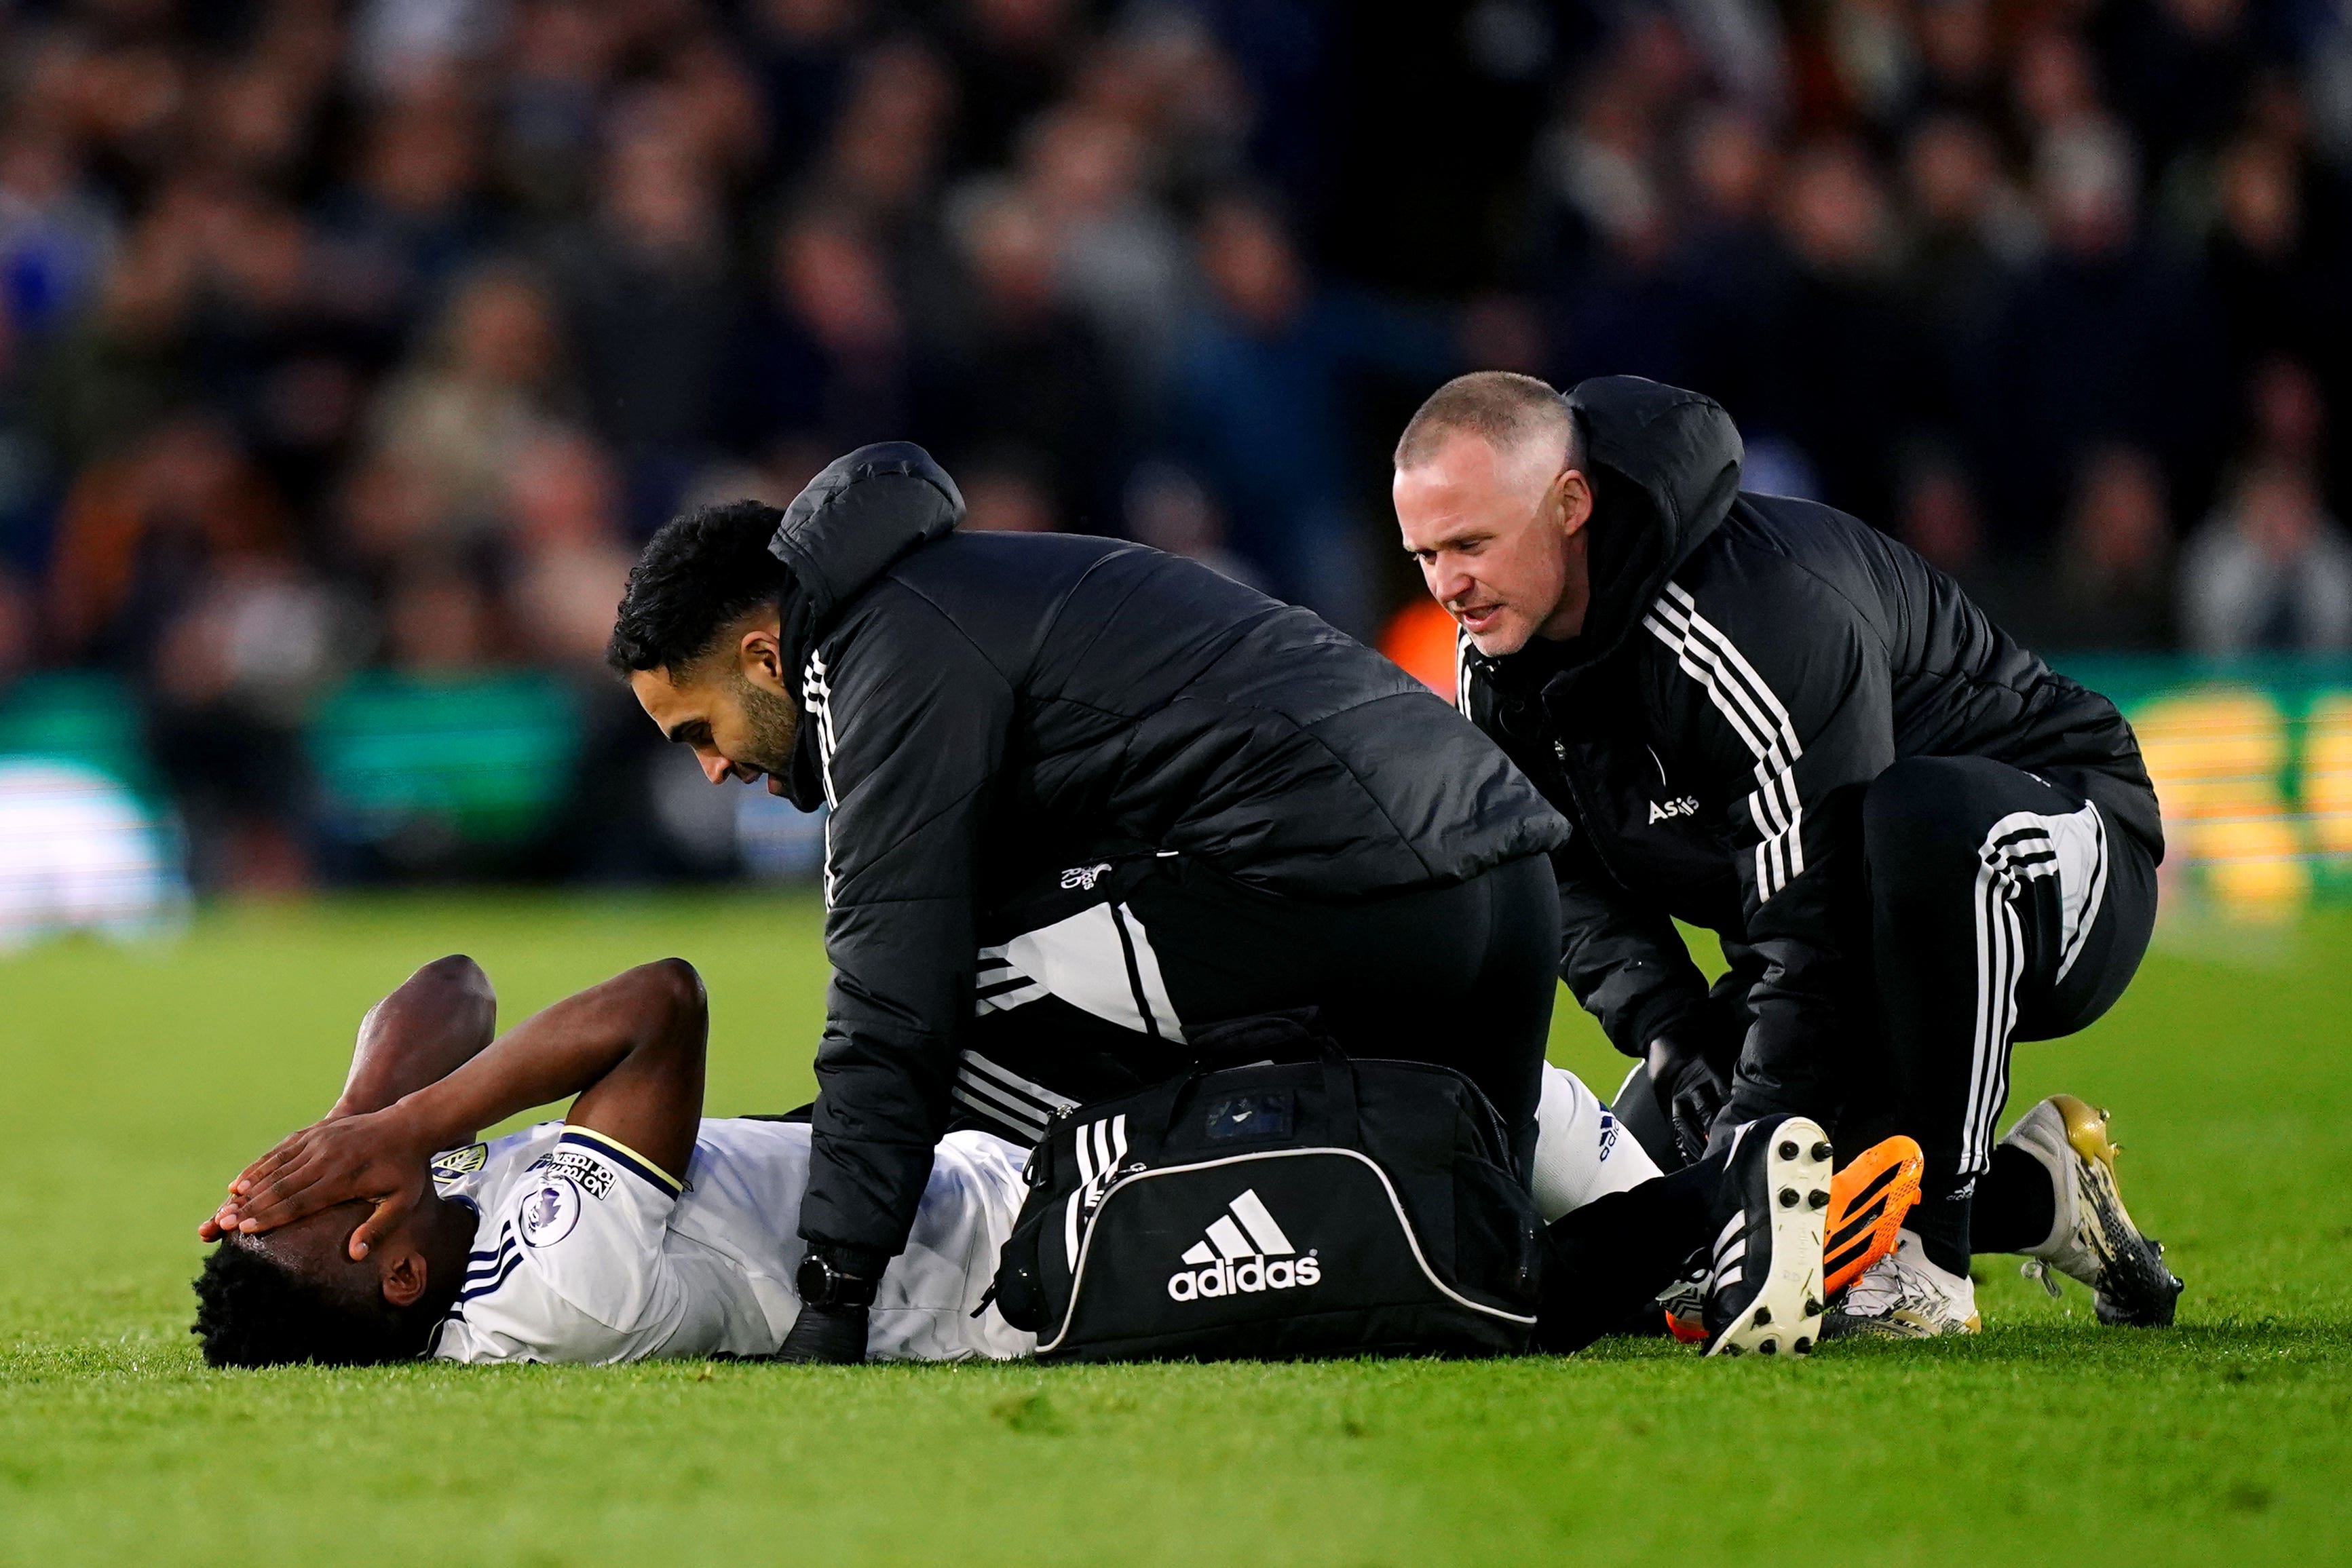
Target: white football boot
1905 1296
1764 1288
2093 1240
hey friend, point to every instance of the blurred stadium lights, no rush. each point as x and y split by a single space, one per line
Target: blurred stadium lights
79 853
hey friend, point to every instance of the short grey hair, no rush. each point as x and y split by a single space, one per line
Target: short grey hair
1502 407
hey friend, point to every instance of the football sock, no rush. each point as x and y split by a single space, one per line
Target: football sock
1942 1224
2015 1208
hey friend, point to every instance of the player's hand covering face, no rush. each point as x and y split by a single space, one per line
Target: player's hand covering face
378 1159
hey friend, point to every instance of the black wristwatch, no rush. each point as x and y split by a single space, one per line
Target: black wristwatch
822 1284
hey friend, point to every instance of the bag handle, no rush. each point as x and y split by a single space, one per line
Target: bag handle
1339 1079
1340 1095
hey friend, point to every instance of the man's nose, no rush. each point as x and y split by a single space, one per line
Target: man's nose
1447 583
715 768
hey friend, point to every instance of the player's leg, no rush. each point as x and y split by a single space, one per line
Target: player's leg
1999 907
1582 1153
1757 1205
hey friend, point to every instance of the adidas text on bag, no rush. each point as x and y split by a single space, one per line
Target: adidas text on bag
1244 1251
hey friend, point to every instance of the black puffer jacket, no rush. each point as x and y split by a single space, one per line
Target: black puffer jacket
1748 666
983 709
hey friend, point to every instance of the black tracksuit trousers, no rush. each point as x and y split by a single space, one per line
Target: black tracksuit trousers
1092 989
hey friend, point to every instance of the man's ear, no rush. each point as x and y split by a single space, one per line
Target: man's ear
402 1277
1573 493
759 653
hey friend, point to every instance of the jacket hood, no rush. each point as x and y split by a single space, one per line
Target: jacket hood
1667 470
855 519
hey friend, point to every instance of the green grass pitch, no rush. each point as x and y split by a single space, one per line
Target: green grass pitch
133 1084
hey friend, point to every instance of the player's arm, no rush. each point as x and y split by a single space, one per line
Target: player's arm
631 1049
439 1019
432 1023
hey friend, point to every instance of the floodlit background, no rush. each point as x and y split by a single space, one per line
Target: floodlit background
347 351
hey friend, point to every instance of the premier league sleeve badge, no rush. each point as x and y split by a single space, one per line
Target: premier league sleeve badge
549 1210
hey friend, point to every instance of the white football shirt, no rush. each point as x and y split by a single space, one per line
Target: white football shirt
586 1252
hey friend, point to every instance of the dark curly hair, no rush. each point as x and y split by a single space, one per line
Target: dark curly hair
253 1311
697 574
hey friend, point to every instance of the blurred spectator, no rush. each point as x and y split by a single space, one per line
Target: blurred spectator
489 381
1618 301
1026 374
18 622
562 523
1973 235
54 238
2270 569
413 216
439 620
2277 291
233 678
140 531
1938 516
1168 509
1842 376
1263 377
560 54
119 365
1006 497
2110 586
1011 55
801 49
2180 71
1736 264
826 357
1119 259
883 157
649 299
2106 339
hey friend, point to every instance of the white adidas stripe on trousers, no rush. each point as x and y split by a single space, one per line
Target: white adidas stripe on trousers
2023 848
1099 960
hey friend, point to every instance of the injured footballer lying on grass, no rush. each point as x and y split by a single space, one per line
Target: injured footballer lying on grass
636 1228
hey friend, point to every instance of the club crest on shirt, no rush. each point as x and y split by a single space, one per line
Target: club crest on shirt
549 1210
595 1177
450 1165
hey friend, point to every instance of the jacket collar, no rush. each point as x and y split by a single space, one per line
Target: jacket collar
852 524
1665 470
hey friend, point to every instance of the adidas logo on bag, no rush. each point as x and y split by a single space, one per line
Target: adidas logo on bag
1244 1252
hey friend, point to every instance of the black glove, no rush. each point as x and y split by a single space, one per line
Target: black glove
832 1336
1689 1092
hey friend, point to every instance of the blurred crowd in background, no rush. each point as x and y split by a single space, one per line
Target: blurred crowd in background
338 338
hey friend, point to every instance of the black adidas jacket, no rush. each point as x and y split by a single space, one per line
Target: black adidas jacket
1748 666
980 710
